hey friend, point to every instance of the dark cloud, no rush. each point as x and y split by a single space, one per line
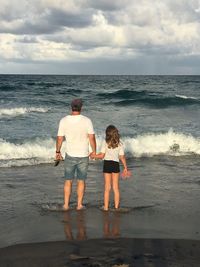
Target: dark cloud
41 27
113 19
159 50
52 20
66 19
78 45
8 13
106 5
8 17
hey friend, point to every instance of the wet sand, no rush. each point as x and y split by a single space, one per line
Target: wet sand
161 228
104 252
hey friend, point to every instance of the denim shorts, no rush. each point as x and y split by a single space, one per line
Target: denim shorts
76 167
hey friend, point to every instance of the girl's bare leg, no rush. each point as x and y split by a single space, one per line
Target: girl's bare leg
107 187
115 186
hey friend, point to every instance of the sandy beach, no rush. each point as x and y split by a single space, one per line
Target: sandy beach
122 252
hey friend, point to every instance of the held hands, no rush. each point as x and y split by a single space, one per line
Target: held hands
92 155
125 174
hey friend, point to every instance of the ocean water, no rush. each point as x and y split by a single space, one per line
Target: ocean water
158 119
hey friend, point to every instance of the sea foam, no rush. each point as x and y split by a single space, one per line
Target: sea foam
13 112
148 145
31 149
170 143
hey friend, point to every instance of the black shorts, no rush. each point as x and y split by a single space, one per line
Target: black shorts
110 166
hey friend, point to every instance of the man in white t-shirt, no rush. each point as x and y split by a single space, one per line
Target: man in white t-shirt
79 133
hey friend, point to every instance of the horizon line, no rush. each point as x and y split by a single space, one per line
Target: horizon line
76 74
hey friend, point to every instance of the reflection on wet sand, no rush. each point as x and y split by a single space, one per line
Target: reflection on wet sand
80 226
111 225
75 225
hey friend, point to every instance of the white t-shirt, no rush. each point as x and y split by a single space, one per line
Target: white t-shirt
112 153
76 128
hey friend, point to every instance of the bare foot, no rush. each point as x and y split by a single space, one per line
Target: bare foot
103 208
81 207
65 207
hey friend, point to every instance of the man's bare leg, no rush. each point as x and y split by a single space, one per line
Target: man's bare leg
80 193
67 193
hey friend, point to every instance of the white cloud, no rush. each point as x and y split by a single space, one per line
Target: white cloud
46 30
7 47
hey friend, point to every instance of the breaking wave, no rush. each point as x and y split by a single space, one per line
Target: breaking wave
170 143
148 145
14 112
28 153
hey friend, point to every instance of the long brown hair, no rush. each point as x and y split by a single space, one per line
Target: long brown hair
112 136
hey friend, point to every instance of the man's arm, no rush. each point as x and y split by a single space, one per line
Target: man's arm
59 142
92 140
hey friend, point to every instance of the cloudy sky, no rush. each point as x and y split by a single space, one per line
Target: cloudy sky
100 37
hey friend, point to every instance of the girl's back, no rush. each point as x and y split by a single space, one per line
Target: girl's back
112 153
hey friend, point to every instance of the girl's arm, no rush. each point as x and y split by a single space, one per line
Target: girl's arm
126 173
123 160
98 156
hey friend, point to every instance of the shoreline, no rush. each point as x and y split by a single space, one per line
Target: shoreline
104 252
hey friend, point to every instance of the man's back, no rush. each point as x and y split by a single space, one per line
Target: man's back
76 128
